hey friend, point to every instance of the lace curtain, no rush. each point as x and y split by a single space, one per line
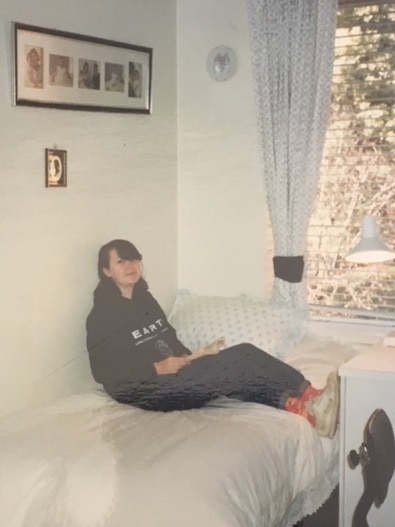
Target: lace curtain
292 48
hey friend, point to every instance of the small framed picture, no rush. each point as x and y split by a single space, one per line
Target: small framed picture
55 168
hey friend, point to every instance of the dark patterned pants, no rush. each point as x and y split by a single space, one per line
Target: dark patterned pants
242 372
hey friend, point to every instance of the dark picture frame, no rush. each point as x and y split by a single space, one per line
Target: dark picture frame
55 168
63 70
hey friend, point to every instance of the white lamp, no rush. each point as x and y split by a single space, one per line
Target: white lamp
370 249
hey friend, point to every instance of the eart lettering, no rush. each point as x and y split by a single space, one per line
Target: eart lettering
152 328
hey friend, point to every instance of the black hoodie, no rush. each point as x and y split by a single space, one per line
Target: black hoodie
125 337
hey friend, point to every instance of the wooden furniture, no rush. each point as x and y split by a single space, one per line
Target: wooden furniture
367 384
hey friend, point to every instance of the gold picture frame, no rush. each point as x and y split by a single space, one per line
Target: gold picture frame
55 168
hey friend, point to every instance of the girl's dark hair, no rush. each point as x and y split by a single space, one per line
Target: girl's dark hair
125 249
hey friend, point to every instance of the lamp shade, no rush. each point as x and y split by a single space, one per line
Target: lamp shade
370 249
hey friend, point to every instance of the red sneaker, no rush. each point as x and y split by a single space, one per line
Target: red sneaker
297 406
325 407
310 392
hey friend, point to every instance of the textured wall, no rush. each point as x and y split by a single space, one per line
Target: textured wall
223 245
121 183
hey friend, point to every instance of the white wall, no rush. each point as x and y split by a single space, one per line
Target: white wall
121 183
223 245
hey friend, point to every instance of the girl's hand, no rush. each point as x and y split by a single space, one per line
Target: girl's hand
211 349
171 365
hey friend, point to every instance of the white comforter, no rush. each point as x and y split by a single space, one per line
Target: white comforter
88 461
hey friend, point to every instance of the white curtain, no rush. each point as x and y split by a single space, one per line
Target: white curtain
292 48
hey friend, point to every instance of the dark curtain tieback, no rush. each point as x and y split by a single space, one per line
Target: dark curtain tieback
289 268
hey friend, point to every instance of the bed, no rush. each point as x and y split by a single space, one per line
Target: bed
86 460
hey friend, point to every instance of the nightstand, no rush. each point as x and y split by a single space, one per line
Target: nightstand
367 384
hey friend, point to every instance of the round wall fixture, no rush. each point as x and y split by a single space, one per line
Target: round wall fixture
221 63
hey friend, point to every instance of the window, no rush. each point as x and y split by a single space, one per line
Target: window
358 167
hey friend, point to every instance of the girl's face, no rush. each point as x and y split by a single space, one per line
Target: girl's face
124 273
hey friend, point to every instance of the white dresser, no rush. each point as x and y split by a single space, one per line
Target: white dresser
367 383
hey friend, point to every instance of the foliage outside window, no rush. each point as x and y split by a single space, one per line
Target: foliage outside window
358 168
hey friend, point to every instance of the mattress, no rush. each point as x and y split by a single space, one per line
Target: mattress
88 461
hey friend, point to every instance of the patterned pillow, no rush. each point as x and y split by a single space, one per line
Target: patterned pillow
199 320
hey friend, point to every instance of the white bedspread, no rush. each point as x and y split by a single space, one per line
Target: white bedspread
89 461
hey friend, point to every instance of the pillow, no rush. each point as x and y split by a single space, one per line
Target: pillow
199 320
